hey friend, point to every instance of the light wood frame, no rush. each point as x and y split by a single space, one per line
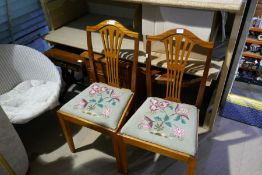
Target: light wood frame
174 64
112 33
6 166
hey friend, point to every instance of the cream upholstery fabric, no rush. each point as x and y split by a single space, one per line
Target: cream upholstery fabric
19 64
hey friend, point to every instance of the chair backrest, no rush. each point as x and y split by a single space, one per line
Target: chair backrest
112 34
20 63
178 46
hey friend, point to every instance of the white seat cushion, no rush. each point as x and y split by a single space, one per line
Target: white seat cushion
29 99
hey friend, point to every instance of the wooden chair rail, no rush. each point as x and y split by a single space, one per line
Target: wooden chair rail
184 32
155 148
112 23
82 122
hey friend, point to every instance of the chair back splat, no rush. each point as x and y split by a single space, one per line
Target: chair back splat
178 46
112 34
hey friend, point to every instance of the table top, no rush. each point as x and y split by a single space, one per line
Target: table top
220 5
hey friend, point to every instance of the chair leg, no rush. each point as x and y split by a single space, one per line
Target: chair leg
123 157
116 153
191 166
67 134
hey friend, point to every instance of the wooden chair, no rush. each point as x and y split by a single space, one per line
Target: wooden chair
167 126
103 107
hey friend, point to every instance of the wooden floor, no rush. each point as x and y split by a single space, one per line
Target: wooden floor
232 149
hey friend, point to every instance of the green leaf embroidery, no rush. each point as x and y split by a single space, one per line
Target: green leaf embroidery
100 105
183 121
177 118
159 127
157 118
100 100
166 118
109 100
91 107
169 124
92 100
170 107
114 103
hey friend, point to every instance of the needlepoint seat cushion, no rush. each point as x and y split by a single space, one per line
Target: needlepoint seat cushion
99 103
169 124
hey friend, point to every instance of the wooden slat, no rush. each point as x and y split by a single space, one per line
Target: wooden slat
252 55
253 41
255 29
65 56
249 69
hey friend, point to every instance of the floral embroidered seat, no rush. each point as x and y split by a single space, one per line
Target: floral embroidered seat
99 103
165 123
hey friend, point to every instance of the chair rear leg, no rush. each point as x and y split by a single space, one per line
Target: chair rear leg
67 134
191 166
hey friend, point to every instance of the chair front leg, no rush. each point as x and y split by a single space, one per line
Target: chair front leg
191 166
67 133
116 153
123 156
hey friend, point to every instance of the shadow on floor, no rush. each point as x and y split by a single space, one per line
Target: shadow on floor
43 130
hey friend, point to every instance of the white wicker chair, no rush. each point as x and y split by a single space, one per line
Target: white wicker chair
13 156
27 68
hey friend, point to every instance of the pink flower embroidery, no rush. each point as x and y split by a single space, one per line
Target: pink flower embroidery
154 101
106 112
146 123
182 111
178 132
156 104
115 95
92 92
104 89
96 87
82 104
153 108
163 104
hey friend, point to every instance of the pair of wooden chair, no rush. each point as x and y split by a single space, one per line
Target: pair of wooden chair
164 126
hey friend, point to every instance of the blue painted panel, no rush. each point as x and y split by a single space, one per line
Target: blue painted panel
3 27
26 21
4 34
